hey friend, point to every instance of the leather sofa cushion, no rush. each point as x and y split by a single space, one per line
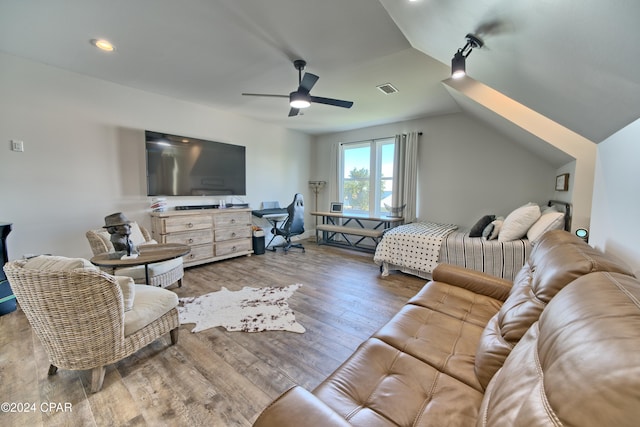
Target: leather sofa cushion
457 302
446 343
381 386
578 365
558 259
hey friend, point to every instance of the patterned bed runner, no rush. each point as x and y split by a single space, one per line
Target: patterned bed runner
415 246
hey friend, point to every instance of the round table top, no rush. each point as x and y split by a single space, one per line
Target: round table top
149 254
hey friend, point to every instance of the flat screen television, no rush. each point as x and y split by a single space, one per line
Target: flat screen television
184 166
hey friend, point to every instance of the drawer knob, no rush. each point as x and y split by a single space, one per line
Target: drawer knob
190 240
233 234
190 225
233 220
233 249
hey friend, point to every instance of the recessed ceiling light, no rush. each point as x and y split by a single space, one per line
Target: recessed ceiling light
103 44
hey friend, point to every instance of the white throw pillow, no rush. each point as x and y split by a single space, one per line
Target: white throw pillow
58 263
548 221
497 226
128 290
518 222
136 236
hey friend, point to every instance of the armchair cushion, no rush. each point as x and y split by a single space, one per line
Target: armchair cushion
137 272
150 303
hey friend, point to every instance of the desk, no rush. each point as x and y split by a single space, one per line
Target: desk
274 216
330 230
149 254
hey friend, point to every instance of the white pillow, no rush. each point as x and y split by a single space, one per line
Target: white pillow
518 222
128 290
497 226
58 263
548 221
136 236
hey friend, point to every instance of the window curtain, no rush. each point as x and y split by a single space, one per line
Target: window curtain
334 174
405 175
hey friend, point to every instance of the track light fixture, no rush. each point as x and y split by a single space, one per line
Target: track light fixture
458 63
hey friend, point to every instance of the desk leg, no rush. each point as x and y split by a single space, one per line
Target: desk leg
146 274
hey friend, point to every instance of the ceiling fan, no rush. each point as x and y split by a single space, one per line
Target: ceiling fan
301 97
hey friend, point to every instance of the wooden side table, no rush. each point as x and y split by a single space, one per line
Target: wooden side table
149 254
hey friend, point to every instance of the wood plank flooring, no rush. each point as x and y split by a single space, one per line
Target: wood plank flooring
213 377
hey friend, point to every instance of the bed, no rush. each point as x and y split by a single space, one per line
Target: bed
417 248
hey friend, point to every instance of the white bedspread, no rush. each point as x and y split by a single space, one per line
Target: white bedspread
415 246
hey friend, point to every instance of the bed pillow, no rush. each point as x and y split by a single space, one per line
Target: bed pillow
548 221
492 230
478 227
518 222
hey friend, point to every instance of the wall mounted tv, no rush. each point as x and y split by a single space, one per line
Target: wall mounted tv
184 166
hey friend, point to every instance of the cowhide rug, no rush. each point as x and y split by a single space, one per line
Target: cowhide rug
247 310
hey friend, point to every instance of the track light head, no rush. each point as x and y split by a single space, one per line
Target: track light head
458 63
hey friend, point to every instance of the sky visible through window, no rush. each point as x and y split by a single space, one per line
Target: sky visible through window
359 158
367 176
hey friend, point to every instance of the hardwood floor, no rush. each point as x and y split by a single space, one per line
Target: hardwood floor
213 377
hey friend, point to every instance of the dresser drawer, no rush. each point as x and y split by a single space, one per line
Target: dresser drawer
190 238
199 252
233 246
185 223
232 233
231 219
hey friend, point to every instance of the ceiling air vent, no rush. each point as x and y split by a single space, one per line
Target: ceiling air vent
387 88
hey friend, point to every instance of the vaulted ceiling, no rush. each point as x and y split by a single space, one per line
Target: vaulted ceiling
574 61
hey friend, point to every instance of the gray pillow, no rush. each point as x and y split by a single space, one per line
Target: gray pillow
478 227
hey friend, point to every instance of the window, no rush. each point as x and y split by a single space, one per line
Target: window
366 177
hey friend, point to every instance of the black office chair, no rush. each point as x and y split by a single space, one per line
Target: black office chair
293 226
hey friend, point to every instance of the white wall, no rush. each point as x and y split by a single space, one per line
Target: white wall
466 170
616 205
84 154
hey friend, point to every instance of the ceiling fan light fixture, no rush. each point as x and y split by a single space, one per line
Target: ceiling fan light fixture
298 99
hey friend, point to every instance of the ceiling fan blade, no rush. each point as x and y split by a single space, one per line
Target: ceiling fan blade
294 112
308 81
266 95
331 101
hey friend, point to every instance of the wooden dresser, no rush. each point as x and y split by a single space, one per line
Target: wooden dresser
213 234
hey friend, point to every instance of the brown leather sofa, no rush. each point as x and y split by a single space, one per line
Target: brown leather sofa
558 346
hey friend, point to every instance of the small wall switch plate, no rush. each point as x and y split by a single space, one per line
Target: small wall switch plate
17 145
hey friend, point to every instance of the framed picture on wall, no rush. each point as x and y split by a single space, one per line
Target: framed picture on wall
336 207
562 182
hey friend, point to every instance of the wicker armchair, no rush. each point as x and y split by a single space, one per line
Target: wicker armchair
80 315
162 274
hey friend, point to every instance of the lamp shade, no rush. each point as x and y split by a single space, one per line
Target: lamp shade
458 65
299 99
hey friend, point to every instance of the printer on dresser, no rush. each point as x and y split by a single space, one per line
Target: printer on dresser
213 234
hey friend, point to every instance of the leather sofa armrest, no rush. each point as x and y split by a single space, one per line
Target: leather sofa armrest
298 407
475 281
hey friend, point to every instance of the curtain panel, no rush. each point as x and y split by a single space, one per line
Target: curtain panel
405 175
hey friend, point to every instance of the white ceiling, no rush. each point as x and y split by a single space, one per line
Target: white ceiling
563 58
